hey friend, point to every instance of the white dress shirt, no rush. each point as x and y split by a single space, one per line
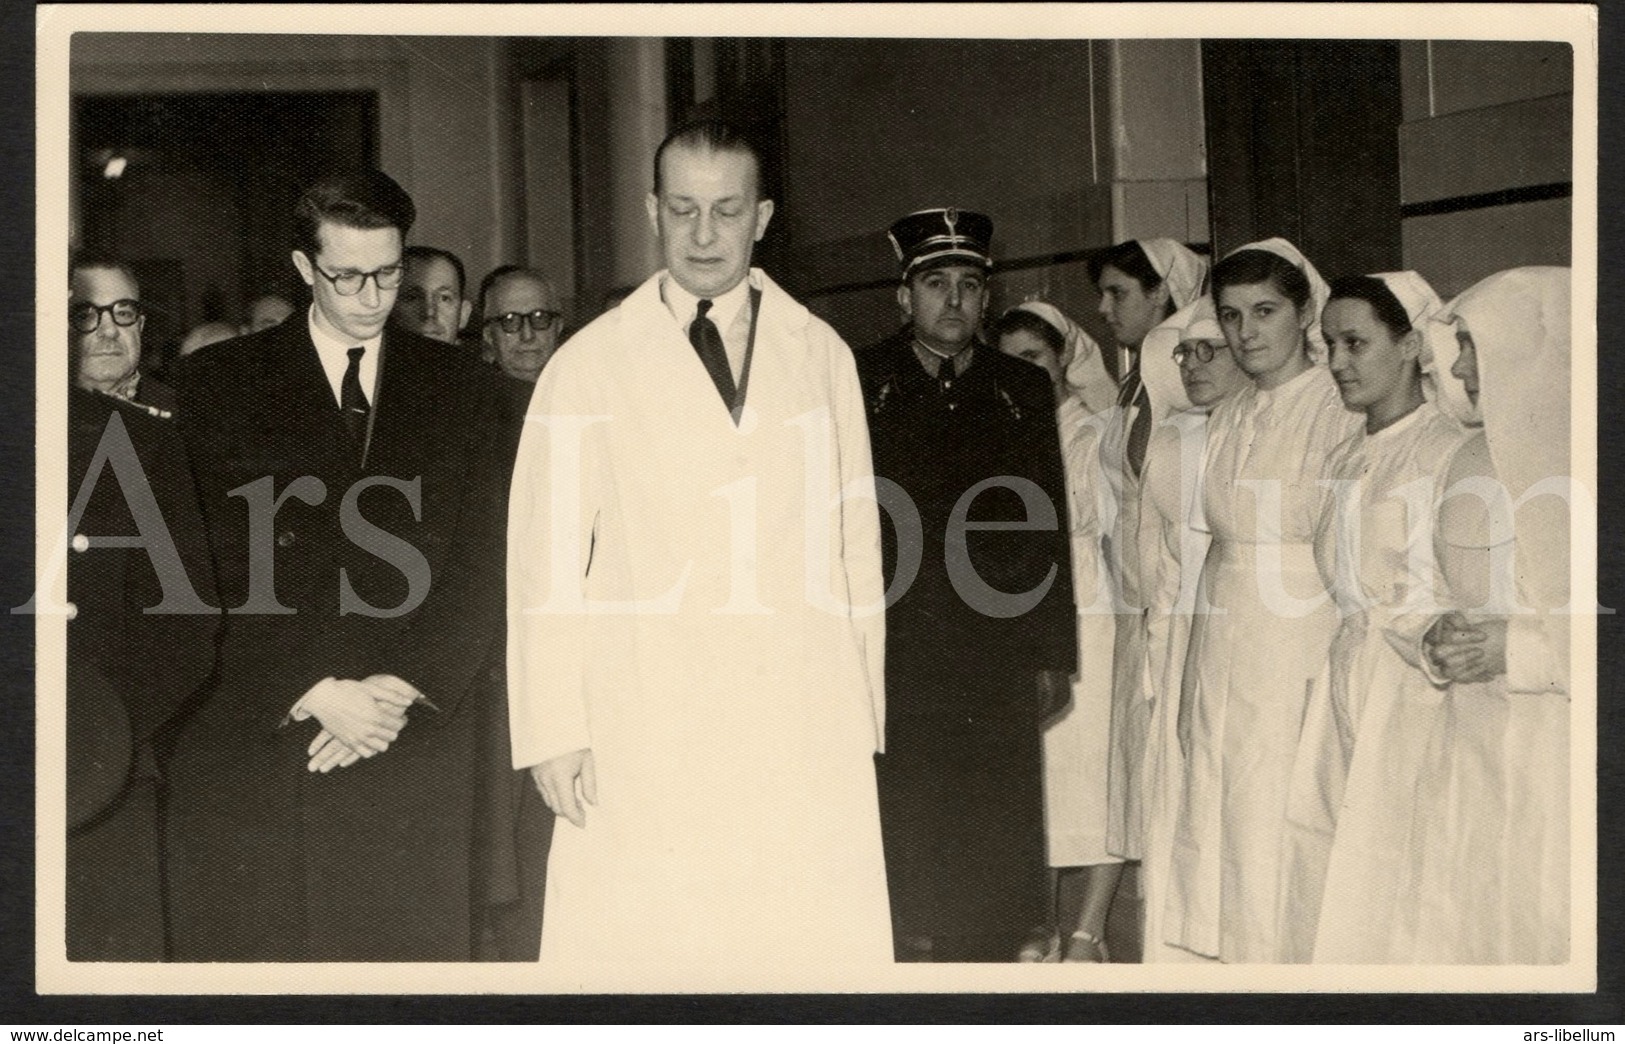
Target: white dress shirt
334 353
728 311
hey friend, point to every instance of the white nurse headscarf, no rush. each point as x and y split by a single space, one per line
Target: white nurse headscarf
1183 271
1194 322
1085 370
1318 290
1519 324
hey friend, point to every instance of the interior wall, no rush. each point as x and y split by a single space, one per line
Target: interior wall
446 111
880 128
1486 168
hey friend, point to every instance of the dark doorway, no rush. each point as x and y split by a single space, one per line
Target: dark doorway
196 191
1303 142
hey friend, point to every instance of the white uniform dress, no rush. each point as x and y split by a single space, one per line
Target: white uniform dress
1349 843
1490 878
1076 742
1131 711
1172 541
731 699
1252 660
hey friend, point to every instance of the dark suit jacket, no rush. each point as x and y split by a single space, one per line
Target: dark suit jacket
129 671
369 862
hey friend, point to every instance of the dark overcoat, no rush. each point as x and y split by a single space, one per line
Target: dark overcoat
129 671
373 862
961 779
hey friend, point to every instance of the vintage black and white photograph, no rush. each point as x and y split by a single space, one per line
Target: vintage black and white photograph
1045 498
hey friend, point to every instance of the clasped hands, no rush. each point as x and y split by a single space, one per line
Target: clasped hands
1463 650
359 718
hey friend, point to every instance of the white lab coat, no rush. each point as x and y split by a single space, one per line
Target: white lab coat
733 711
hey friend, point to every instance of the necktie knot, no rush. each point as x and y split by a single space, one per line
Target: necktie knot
703 307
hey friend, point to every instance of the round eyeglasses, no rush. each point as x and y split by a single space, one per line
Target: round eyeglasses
85 316
539 320
348 284
1200 351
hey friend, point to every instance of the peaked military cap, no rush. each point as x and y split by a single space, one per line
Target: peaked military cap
943 236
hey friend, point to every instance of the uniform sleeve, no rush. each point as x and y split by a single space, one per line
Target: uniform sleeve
552 526
1052 625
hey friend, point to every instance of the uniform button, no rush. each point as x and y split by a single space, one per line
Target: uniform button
73 610
286 538
81 542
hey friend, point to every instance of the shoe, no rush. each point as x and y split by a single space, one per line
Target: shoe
1041 947
1086 948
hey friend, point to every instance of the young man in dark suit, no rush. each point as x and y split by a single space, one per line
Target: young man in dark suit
321 798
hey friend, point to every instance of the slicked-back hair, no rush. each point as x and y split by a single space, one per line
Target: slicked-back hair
712 136
501 272
84 262
1247 267
430 253
1017 319
355 199
1374 292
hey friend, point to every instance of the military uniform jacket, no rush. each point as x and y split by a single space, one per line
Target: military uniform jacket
370 862
994 431
979 589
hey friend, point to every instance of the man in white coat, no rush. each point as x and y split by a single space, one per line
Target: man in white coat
695 653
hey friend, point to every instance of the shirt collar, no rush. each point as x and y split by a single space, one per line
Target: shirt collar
331 348
683 304
933 360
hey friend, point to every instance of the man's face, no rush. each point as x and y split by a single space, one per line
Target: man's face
109 354
430 301
349 251
524 351
708 217
945 305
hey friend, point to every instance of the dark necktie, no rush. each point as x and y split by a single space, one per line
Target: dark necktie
353 401
707 341
1139 432
945 375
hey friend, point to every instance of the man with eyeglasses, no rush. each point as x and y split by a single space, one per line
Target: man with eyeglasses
695 626
321 798
130 669
522 321
105 319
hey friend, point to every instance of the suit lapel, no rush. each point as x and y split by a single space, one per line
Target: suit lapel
299 399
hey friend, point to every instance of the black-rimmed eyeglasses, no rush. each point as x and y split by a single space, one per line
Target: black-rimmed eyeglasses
539 320
1201 351
348 284
85 316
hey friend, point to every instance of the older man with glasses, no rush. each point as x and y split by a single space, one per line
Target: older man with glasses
105 320
521 321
